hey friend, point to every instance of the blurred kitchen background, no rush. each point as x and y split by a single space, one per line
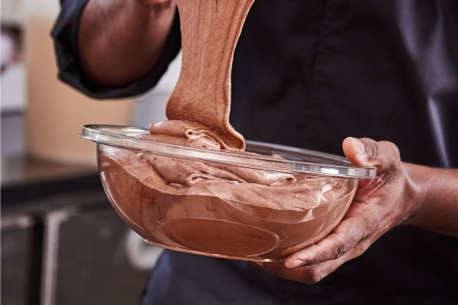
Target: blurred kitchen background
61 242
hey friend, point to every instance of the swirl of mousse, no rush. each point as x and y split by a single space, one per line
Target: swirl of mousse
193 134
185 133
256 187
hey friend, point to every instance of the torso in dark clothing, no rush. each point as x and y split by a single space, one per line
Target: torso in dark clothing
310 73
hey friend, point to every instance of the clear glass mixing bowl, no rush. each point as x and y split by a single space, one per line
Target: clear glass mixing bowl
259 206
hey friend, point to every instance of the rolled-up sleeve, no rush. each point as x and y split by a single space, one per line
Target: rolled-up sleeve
64 34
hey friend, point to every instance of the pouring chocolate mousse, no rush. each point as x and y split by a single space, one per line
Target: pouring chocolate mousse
210 30
230 204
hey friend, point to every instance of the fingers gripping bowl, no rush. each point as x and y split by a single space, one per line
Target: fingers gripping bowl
258 206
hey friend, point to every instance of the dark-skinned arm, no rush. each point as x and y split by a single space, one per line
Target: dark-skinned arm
403 194
119 41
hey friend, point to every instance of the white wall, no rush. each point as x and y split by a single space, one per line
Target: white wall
151 107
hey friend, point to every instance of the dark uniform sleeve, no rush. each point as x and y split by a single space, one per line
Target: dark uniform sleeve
64 34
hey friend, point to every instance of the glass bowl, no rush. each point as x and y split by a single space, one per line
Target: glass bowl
259 206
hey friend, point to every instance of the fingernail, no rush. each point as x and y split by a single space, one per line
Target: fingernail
359 146
293 263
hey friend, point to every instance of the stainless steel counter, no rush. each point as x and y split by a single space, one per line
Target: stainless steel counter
25 179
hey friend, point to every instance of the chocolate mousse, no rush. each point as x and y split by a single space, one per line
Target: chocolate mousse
219 209
216 208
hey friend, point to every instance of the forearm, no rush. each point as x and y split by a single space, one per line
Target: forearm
119 41
436 197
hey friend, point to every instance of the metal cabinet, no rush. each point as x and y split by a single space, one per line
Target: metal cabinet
16 246
63 243
91 257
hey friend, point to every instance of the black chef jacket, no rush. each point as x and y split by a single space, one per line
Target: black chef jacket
308 73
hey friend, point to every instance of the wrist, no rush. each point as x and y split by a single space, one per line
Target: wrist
434 205
416 197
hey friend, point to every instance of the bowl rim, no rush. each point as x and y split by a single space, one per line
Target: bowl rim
318 163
